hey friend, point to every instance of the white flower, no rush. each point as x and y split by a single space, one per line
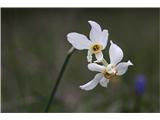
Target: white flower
97 43
110 71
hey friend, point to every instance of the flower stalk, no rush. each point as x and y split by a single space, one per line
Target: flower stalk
105 63
69 54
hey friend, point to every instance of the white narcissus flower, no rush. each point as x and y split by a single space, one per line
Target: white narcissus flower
110 71
97 43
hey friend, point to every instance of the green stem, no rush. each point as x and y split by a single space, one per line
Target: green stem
104 62
70 52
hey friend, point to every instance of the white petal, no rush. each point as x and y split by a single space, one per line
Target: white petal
78 41
122 67
93 83
99 57
104 82
104 38
89 56
96 67
115 53
95 32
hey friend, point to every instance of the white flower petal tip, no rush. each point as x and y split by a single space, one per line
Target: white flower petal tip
68 34
95 25
82 87
130 63
93 83
106 32
115 53
95 32
123 67
111 42
86 88
91 22
78 41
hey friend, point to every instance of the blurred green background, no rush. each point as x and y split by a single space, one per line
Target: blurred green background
34 47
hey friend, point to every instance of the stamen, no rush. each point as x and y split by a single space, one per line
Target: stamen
110 72
96 48
109 76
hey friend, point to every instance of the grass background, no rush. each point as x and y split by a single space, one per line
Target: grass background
34 46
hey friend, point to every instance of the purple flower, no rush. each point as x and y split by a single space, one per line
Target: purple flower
140 84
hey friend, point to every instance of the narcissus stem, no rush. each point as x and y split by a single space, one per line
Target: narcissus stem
104 62
70 52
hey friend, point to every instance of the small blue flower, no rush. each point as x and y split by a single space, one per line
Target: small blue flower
140 84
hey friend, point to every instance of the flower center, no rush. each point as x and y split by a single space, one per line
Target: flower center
110 71
95 48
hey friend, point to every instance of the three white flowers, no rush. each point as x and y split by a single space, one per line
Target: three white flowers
98 42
